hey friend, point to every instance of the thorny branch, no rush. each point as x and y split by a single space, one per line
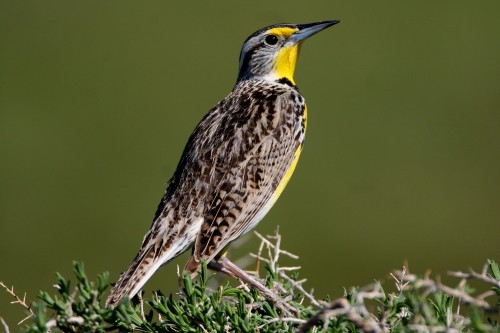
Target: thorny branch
342 307
430 286
483 276
358 314
273 255
19 300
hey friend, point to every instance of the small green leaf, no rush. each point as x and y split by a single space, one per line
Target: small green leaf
495 270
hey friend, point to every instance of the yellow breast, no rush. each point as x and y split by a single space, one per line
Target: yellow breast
291 169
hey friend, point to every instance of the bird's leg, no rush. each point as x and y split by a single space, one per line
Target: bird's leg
224 265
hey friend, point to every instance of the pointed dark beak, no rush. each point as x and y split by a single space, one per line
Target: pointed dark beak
309 29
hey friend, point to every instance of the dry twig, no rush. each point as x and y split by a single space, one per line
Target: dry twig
19 300
463 297
5 326
342 307
483 276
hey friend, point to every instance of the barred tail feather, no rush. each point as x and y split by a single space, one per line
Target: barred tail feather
138 273
154 253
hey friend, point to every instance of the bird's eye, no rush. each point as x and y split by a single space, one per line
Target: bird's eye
271 40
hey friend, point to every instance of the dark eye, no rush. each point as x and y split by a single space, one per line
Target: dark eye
271 40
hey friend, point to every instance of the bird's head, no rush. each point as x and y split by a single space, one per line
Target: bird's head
271 52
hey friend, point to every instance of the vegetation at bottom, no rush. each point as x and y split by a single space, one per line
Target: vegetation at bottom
417 303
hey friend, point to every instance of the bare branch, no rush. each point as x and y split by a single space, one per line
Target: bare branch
286 319
19 300
141 302
299 287
465 298
5 326
289 268
341 307
474 275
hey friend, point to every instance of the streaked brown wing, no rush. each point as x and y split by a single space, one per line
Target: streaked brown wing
246 187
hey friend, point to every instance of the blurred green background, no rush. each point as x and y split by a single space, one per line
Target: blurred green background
401 162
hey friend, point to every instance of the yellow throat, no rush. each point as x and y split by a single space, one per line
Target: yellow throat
284 63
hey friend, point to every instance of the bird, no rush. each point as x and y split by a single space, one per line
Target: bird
236 163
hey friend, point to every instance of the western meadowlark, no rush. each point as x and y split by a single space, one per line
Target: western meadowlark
236 163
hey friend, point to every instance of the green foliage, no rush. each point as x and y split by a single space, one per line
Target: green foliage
197 310
418 304
495 272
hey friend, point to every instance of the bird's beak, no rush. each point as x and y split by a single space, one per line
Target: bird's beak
309 29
